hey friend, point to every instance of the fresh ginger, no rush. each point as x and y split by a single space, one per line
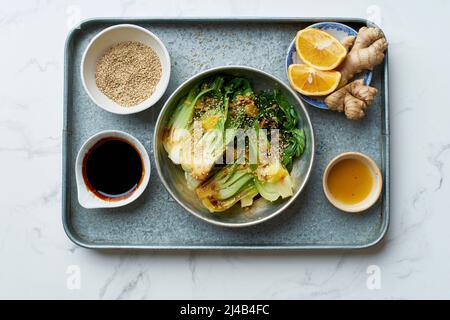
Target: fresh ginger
348 41
367 52
352 99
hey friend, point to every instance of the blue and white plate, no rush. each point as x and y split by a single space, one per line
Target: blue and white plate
337 30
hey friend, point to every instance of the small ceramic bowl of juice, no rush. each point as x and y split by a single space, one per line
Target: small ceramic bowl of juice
352 182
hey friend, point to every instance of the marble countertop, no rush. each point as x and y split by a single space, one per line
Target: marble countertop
39 261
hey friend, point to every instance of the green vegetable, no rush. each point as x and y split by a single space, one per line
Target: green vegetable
229 185
271 178
275 109
220 106
273 105
180 124
295 142
237 87
210 122
273 190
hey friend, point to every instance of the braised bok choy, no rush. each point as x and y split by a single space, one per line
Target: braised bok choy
235 145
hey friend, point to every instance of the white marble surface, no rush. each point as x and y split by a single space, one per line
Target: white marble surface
35 253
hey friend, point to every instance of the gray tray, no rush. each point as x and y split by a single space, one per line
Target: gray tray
155 220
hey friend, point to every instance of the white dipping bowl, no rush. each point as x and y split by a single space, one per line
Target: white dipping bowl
374 194
89 199
106 39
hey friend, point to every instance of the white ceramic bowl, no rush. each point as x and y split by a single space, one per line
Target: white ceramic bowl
105 40
374 194
87 198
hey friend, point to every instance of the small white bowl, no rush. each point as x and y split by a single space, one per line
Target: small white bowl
105 40
374 194
86 197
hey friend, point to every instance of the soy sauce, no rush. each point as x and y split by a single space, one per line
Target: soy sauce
113 169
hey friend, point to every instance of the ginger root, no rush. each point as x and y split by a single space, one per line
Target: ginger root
367 52
352 99
348 41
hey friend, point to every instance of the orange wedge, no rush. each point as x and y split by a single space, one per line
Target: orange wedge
312 82
318 49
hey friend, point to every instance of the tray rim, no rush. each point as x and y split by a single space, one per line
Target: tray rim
385 132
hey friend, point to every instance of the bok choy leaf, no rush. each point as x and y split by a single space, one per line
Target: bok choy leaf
178 131
229 185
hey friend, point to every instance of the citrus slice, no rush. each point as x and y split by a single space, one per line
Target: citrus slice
318 49
312 82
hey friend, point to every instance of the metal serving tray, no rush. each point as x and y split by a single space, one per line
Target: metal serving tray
155 220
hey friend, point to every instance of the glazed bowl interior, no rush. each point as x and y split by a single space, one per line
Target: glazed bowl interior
173 177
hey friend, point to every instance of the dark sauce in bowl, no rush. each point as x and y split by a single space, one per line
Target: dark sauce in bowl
113 169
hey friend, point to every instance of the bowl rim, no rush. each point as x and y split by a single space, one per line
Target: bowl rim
157 144
375 192
156 94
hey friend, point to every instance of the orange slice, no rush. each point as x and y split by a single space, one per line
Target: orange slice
312 82
318 49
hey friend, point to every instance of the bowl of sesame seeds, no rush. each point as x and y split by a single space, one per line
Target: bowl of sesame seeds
125 69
